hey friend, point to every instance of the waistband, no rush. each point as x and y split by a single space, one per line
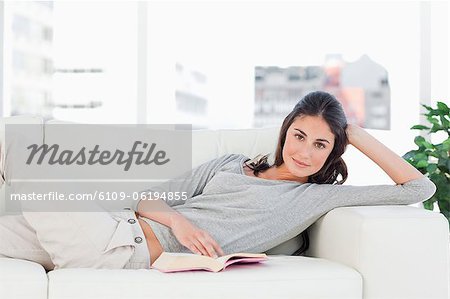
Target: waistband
140 259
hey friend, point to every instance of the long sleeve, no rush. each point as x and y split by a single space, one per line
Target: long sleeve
414 191
191 182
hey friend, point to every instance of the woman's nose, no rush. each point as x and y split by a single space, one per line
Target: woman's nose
305 153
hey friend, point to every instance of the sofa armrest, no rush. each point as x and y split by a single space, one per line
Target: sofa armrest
400 251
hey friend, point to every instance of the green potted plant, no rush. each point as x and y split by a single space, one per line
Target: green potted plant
433 159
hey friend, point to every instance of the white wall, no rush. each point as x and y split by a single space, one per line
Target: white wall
226 41
440 63
96 35
2 95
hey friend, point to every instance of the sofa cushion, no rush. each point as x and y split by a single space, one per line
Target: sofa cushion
22 279
278 277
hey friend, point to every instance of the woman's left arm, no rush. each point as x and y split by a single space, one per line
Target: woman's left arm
395 166
411 186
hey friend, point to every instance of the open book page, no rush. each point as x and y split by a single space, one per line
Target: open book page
241 257
225 258
172 262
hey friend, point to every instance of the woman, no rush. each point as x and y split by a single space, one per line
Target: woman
233 204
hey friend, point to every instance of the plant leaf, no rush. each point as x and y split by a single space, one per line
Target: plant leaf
420 156
419 127
443 107
435 128
427 107
431 168
422 164
444 121
409 155
446 145
419 140
428 204
433 120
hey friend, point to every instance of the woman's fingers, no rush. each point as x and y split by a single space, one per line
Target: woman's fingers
199 246
207 244
212 246
215 246
202 243
194 249
218 249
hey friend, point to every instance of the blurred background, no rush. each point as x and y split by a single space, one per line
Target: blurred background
221 64
224 65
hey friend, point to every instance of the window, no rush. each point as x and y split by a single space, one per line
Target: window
271 39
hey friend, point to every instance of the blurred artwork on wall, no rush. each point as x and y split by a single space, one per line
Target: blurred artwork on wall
361 86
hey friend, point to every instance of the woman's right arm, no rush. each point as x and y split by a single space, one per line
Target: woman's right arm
189 235
157 210
179 190
189 184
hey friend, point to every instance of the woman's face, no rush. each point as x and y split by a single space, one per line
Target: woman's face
309 140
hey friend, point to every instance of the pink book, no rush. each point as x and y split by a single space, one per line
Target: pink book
176 262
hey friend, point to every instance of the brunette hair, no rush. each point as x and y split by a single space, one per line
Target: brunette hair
317 103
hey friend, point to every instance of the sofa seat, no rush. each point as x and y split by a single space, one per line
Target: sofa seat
278 277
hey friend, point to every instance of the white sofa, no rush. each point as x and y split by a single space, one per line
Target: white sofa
371 252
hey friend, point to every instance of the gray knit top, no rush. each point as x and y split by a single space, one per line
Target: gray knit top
250 214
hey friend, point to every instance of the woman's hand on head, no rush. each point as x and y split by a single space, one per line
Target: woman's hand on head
195 239
352 131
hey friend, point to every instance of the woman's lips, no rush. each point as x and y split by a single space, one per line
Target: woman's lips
300 164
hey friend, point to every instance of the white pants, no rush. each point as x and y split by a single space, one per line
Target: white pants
75 239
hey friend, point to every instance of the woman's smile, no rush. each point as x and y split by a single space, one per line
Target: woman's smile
300 164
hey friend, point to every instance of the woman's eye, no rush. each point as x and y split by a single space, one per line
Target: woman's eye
319 145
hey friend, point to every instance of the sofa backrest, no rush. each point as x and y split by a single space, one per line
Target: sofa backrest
211 144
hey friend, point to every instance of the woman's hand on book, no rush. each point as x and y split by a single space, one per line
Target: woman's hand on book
194 238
